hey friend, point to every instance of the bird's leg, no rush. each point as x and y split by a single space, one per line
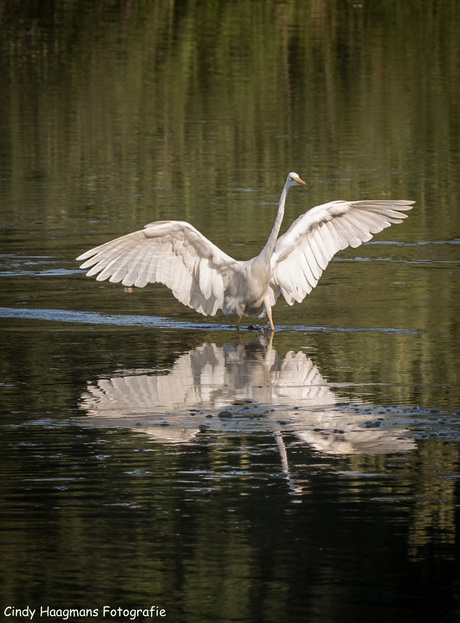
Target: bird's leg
238 323
268 309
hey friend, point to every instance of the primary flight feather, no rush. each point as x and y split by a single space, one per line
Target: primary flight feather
202 276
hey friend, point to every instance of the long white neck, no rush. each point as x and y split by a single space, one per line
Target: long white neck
267 251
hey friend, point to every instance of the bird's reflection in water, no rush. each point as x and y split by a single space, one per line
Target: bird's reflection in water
244 388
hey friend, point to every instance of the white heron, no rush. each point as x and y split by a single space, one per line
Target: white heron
202 276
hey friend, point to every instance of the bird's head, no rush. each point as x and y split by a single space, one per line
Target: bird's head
294 180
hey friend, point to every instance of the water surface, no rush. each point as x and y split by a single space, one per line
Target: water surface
149 455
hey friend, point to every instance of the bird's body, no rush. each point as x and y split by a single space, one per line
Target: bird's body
202 276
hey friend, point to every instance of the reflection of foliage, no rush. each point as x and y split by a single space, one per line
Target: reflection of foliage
179 109
218 86
200 97
168 108
435 502
191 527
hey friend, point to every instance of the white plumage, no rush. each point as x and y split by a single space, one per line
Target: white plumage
202 276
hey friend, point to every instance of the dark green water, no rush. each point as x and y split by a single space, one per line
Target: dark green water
150 458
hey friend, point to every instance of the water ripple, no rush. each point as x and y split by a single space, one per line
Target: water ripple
65 315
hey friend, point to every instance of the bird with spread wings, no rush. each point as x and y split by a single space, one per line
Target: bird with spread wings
205 278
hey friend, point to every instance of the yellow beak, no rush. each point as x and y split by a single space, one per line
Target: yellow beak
299 181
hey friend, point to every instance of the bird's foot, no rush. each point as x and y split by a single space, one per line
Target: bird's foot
257 328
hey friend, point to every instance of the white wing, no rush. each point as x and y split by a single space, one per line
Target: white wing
170 252
304 251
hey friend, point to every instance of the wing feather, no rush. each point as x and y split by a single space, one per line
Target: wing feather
315 249
342 240
170 252
307 272
325 234
143 273
303 252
